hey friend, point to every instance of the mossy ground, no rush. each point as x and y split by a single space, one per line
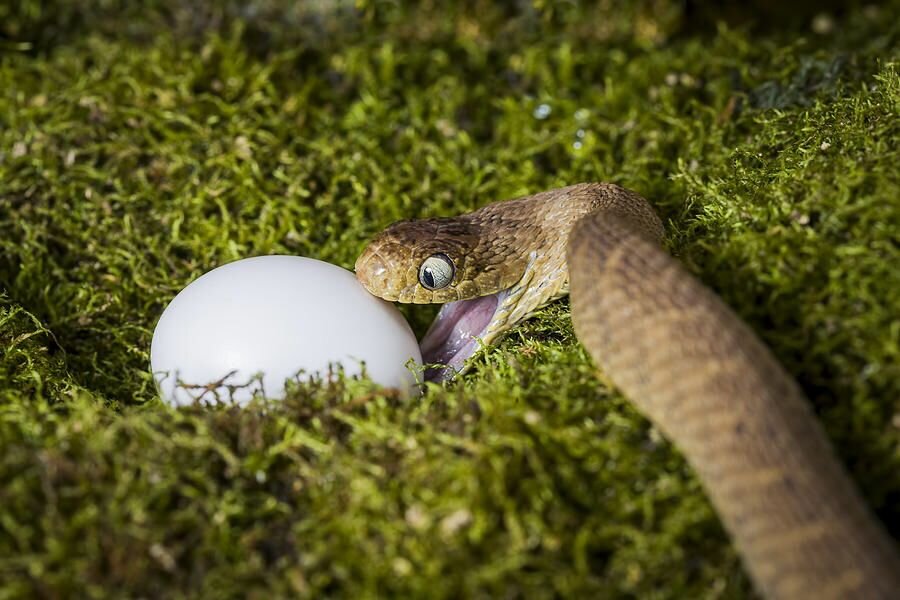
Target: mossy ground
139 149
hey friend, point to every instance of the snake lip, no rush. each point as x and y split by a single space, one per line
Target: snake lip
455 334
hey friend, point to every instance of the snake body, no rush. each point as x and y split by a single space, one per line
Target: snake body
679 354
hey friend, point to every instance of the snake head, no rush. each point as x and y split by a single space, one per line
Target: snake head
492 268
478 265
433 261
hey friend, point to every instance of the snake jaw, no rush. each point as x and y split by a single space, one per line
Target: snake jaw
462 327
457 332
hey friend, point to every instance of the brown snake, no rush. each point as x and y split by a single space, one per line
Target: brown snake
675 350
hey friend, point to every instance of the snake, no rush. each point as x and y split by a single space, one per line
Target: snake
675 350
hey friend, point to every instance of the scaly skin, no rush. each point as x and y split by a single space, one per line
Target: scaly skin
683 358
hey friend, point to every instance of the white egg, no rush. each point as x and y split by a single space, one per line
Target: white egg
246 327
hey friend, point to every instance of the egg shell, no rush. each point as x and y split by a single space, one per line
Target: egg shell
256 322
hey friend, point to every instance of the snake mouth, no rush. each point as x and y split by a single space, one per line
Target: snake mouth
456 333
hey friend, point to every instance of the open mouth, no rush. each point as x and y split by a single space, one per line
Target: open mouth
455 333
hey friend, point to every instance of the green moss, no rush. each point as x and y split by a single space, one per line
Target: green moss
137 153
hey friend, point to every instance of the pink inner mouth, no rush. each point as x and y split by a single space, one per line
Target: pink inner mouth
453 336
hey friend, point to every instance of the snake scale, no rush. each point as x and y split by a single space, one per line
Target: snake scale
676 351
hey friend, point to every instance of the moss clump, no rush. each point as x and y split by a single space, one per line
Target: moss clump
138 153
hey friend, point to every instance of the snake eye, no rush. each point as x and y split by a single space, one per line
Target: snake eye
436 272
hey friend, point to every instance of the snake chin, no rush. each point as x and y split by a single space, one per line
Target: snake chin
456 334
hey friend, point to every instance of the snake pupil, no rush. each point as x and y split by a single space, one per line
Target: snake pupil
436 272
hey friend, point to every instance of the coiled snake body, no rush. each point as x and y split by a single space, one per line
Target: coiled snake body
675 350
